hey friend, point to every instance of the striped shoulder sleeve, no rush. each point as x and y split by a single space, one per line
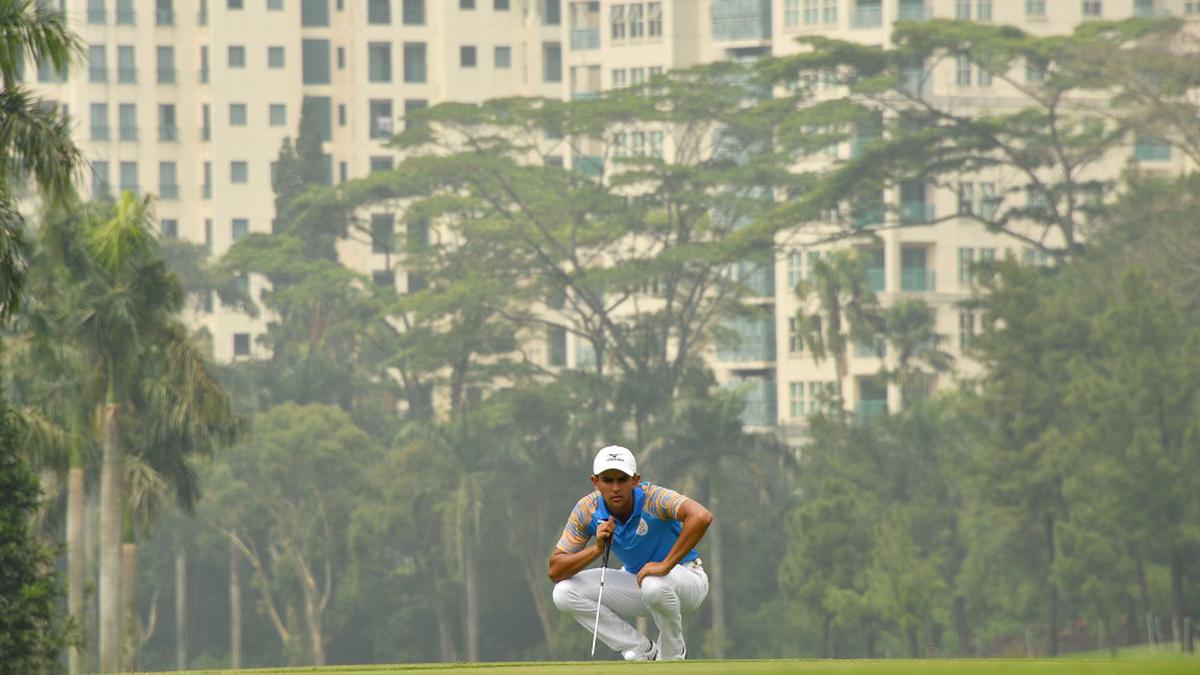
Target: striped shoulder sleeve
662 503
579 525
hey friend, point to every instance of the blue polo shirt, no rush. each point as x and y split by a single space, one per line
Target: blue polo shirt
646 536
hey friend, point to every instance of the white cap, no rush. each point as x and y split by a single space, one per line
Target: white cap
614 457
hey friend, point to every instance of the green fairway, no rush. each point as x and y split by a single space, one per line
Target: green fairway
1162 666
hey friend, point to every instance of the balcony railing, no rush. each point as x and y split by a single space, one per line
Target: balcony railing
916 212
168 133
99 132
168 192
127 75
128 133
585 38
166 75
867 17
869 410
917 280
97 74
914 12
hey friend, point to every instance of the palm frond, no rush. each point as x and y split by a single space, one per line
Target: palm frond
38 140
37 29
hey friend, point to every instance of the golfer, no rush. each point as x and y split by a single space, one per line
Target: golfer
653 531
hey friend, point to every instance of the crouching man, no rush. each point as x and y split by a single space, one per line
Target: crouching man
654 532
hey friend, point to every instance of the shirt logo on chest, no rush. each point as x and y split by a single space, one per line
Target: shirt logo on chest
642 527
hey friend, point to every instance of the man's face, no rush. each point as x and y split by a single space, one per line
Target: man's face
617 489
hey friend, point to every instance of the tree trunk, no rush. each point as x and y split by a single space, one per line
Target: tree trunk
131 635
445 633
471 590
826 636
960 625
110 543
1178 598
316 637
910 635
716 577
535 577
181 627
235 607
75 563
1051 591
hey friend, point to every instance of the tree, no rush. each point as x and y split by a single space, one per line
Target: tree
1040 157
284 497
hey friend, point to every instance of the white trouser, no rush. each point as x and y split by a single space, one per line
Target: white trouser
665 598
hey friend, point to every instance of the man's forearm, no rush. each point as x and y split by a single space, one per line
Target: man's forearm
566 565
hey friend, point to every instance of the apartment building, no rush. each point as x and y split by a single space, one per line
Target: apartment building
190 100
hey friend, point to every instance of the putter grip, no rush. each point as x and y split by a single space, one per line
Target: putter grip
607 549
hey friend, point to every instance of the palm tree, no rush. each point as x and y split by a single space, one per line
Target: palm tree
846 309
910 329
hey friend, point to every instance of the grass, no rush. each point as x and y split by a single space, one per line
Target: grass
1158 665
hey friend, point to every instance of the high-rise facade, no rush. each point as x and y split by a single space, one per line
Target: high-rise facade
191 101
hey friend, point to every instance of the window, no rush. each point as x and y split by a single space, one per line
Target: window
412 105
466 56
383 232
203 64
241 344
966 328
341 114
556 346
379 12
379 62
616 18
962 10
654 19
164 13
99 114
466 4
1191 8
795 269
1151 150
966 261
277 114
95 11
414 12
237 56
167 129
97 63
314 61
1091 8
382 163
984 12
129 177
341 58
1034 71
320 110
274 57
101 188
414 62
637 76
966 199
500 5
1035 8
829 12
962 73
239 228
274 5
235 4
237 114
206 189
503 57
384 278
169 228
127 118
791 12
314 12
168 183
205 123
239 171
552 61
656 144
125 14
552 12
381 122
637 26
126 65
618 78
988 201
166 65
343 172
797 398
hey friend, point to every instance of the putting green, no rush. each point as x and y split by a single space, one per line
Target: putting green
1170 666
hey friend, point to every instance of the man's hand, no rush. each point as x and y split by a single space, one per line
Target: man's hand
604 532
656 569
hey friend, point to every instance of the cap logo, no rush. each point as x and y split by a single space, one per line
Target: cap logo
615 456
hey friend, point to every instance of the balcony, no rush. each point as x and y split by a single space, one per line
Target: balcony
164 17
585 38
741 19
917 280
870 410
169 133
166 75
914 11
867 17
749 339
912 213
168 192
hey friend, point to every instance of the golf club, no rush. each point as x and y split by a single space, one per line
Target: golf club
600 595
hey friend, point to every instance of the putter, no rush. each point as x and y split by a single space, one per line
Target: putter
600 595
